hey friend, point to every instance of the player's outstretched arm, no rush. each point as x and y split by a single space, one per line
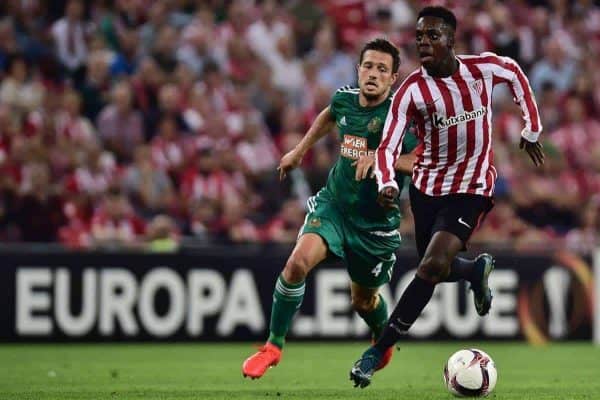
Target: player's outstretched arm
404 165
320 127
510 72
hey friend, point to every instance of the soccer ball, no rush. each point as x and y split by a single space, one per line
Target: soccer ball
470 373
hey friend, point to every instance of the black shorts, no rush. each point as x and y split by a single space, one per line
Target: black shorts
459 214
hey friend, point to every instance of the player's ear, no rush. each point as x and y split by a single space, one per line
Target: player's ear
394 77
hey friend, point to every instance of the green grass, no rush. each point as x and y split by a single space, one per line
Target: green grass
308 371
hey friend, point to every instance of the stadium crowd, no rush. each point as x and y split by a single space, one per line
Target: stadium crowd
128 122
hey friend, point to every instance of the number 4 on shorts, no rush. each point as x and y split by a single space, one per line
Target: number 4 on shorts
377 270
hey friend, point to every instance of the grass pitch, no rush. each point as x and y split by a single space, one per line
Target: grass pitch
308 371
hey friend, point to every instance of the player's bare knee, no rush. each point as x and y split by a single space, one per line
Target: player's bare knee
296 268
364 305
433 269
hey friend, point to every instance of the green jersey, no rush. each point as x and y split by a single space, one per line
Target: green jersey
360 129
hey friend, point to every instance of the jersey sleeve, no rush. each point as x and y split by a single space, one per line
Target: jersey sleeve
506 70
399 116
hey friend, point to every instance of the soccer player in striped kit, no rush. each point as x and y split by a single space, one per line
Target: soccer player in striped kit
449 100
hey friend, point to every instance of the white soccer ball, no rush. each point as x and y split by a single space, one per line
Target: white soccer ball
470 373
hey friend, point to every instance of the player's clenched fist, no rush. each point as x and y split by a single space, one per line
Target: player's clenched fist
288 162
386 198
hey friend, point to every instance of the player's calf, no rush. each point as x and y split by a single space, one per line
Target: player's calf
434 268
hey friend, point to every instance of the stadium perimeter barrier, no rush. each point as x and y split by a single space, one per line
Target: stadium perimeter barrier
224 293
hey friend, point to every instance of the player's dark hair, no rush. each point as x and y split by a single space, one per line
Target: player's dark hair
439 12
383 46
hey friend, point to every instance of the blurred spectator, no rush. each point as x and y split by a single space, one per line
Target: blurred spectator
205 180
548 100
197 47
266 98
8 42
238 227
576 132
555 67
39 209
233 27
307 17
204 220
126 60
185 79
69 34
336 69
264 34
168 147
382 26
164 46
284 227
170 104
318 173
241 63
93 174
18 89
256 149
158 17
146 84
95 90
120 125
584 239
214 86
288 73
71 126
350 17
162 235
149 187
506 40
115 223
549 196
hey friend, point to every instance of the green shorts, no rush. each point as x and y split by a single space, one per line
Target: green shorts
369 255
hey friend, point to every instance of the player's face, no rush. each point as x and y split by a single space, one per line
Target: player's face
434 41
375 74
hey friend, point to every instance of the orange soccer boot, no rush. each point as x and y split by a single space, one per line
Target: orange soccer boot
257 364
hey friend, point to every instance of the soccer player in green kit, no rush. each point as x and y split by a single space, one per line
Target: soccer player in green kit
343 218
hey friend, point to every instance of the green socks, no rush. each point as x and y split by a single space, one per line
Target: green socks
377 319
287 298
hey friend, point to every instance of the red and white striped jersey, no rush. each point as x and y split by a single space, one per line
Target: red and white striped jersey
453 117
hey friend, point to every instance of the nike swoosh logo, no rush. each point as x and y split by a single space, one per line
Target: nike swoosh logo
461 221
